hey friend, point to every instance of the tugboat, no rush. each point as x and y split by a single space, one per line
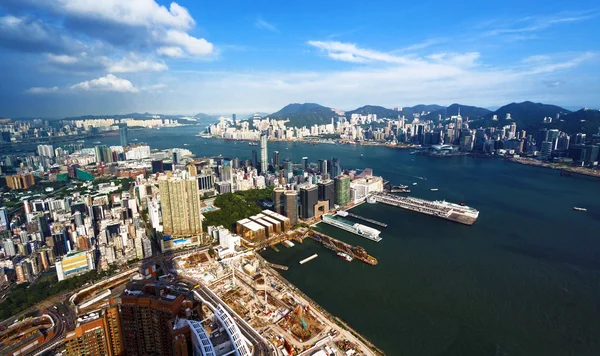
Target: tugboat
345 256
579 209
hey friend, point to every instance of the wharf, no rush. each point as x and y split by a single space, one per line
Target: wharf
357 229
339 246
276 266
374 222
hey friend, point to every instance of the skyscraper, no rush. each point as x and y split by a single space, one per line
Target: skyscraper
291 206
279 200
276 160
309 196
336 169
323 167
254 159
305 163
327 192
264 162
342 190
123 135
180 204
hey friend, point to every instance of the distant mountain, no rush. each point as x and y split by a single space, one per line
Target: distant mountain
380 111
306 114
134 115
526 114
465 111
585 121
203 116
421 108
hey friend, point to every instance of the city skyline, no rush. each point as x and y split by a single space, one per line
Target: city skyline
186 58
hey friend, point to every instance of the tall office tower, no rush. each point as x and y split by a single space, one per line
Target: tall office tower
276 160
147 310
279 200
157 166
563 142
309 197
235 163
327 192
553 137
542 136
291 206
342 190
287 166
254 159
323 167
123 135
175 157
205 182
305 163
180 204
580 139
264 161
234 117
513 130
336 169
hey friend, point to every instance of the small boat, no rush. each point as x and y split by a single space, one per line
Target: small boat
345 256
81 141
579 209
97 142
134 140
434 189
415 183
185 144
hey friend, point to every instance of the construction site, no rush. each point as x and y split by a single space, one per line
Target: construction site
274 308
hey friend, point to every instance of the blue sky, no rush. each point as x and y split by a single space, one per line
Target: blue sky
73 57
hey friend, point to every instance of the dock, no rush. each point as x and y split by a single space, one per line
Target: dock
441 209
336 245
309 259
357 229
274 265
374 222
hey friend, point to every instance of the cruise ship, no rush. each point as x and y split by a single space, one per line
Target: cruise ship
358 229
439 208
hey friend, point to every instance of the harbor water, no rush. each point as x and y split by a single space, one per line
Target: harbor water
523 280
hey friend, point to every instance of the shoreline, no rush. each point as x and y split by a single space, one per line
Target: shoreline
335 319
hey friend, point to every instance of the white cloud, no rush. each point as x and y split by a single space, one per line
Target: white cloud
131 65
107 83
170 51
62 59
143 13
42 90
26 34
350 52
175 41
530 24
262 24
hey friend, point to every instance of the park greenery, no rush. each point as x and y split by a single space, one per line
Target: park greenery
236 206
24 296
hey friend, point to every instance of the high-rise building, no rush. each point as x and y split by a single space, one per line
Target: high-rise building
342 190
123 137
279 200
580 139
323 167
4 221
205 182
327 192
20 181
103 154
553 137
291 206
176 157
157 166
147 309
180 204
264 161
546 150
309 196
336 170
45 151
96 334
276 160
254 159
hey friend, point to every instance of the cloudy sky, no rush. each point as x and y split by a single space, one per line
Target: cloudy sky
73 57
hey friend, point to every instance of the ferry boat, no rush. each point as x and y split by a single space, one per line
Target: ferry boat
81 141
252 144
415 183
97 142
345 256
579 209
434 189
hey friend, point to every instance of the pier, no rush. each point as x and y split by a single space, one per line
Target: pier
358 229
374 222
274 265
339 246
309 259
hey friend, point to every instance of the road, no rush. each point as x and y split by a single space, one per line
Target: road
261 347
